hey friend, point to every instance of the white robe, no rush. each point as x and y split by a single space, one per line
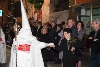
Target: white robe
28 59
2 47
32 58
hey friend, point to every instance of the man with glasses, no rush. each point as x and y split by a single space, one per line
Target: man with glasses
94 41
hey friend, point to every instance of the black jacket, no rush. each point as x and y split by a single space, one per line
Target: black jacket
34 31
95 45
39 32
44 38
68 54
74 31
57 37
51 34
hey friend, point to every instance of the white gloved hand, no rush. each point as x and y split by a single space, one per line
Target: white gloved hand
51 45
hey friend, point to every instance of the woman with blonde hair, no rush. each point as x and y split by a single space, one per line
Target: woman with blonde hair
44 38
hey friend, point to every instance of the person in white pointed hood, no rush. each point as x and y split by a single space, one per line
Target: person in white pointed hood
2 47
28 49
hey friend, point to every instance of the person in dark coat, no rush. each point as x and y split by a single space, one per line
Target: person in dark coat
56 36
34 29
39 24
56 41
94 42
44 38
81 33
71 25
69 47
51 40
52 31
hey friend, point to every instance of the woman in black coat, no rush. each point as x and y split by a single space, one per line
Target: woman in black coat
56 41
81 33
44 38
69 47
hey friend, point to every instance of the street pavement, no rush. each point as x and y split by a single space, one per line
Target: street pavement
85 60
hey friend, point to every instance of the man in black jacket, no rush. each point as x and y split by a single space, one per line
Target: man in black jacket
51 40
94 41
71 25
52 31
39 24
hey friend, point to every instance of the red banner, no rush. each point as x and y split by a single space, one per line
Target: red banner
24 47
82 1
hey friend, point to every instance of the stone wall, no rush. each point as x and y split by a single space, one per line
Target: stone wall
48 13
59 16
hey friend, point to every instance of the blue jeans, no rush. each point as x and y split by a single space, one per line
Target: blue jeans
95 59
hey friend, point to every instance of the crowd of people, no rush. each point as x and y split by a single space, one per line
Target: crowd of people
65 51
53 33
56 33
62 43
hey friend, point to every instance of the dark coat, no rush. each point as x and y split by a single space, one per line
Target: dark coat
69 59
34 31
95 45
51 34
39 32
74 31
44 38
56 38
12 34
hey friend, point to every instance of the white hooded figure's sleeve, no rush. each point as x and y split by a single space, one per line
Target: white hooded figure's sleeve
40 44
